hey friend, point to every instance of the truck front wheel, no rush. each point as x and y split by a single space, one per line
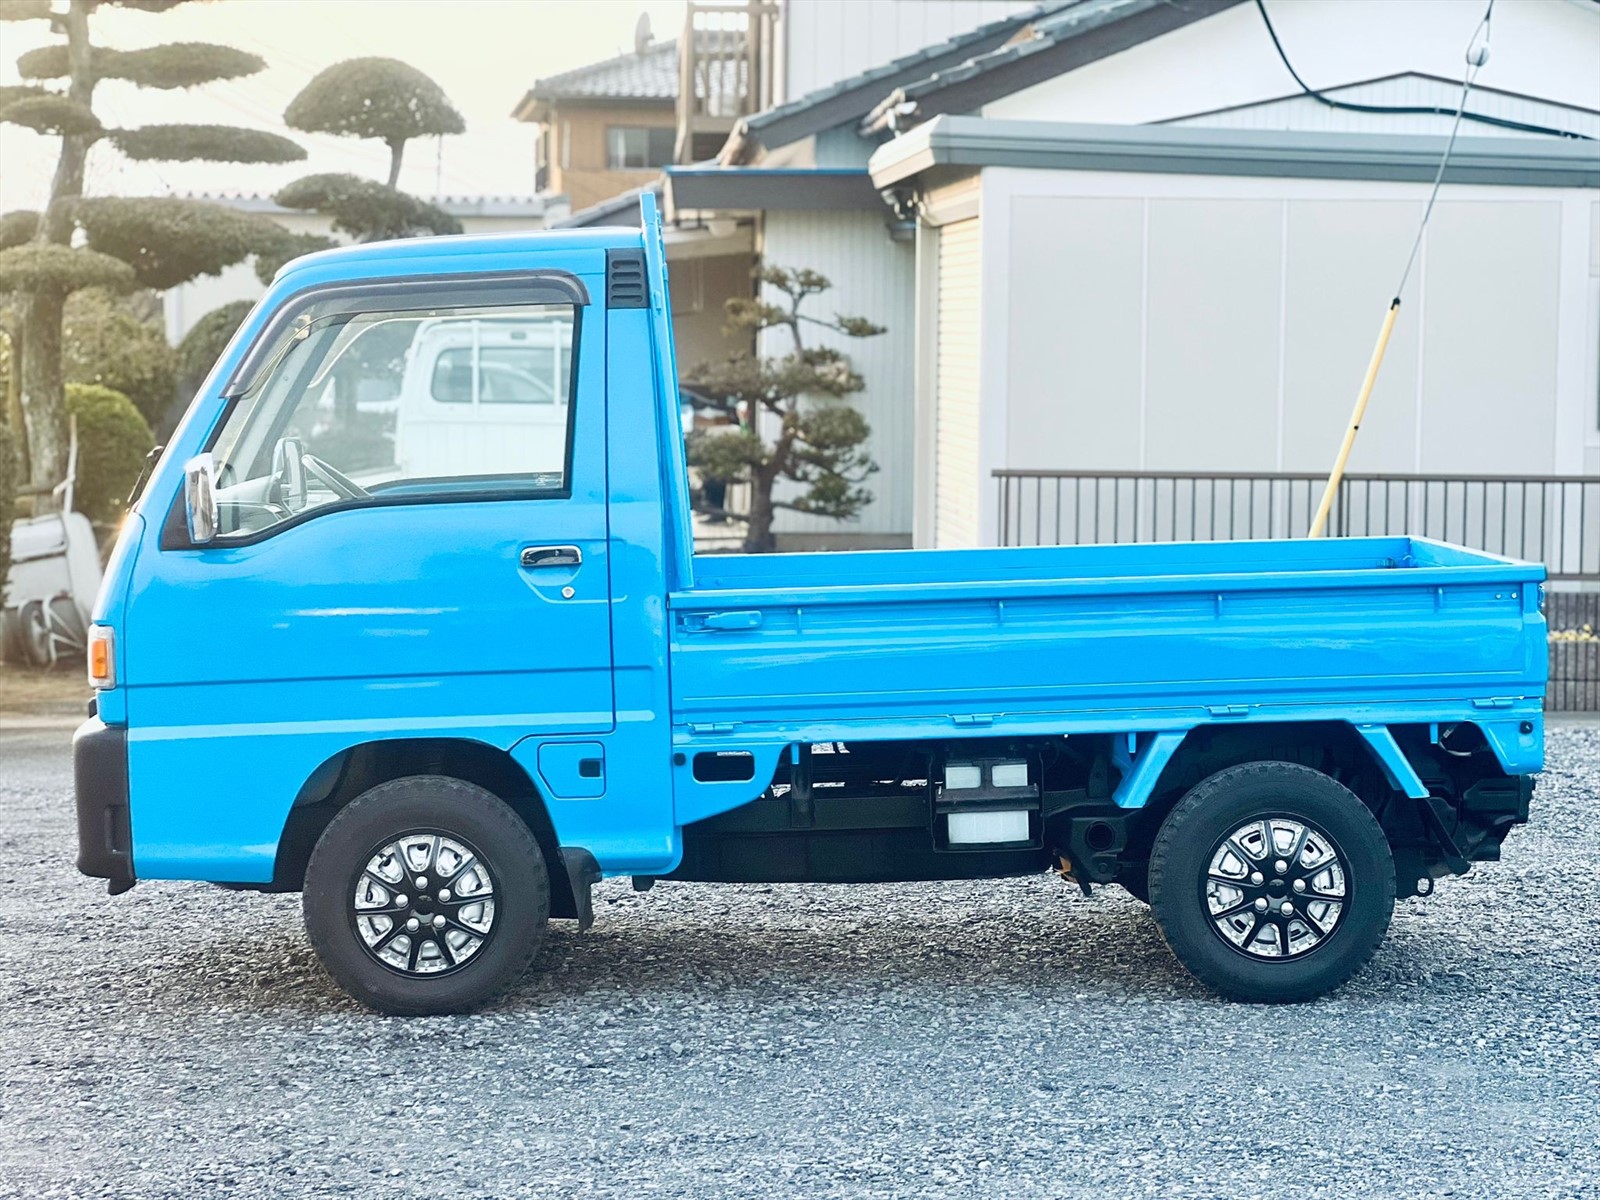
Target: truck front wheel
426 895
1271 882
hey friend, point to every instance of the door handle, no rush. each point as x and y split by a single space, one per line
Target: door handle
746 619
534 557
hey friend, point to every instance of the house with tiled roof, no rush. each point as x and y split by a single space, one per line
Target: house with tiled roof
610 126
606 127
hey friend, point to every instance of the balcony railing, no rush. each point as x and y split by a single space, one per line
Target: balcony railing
725 59
1554 519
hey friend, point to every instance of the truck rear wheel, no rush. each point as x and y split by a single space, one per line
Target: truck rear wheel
426 895
1271 882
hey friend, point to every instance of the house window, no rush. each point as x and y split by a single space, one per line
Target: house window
634 147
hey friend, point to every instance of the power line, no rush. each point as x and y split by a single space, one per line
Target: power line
1408 109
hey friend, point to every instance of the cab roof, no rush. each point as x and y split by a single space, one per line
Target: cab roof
372 257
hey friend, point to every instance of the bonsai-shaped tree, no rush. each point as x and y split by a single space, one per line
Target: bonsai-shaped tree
788 421
156 243
379 98
391 102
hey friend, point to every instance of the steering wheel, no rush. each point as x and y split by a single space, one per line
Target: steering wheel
335 481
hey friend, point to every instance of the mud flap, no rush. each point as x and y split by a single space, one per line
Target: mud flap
583 872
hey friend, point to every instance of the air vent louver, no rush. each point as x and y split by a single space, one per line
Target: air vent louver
625 285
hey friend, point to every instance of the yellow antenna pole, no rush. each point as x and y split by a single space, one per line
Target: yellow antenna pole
1320 522
1477 55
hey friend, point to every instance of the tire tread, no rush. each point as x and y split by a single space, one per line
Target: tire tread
1175 829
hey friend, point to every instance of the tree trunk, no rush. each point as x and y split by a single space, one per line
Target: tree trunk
397 149
44 398
44 407
67 186
758 535
14 395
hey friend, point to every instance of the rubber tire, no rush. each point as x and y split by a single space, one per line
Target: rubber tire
1221 803
451 806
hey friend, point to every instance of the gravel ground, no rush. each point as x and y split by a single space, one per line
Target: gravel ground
974 1039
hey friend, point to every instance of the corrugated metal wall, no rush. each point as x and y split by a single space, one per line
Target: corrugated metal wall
956 465
872 277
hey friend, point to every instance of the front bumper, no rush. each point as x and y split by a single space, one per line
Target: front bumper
100 777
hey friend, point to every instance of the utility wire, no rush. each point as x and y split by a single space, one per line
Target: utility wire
1477 55
1414 109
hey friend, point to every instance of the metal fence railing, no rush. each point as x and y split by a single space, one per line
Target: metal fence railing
1554 519
1574 620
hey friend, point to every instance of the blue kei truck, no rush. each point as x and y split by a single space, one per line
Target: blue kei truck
409 619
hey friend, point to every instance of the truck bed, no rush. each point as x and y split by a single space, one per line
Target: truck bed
887 644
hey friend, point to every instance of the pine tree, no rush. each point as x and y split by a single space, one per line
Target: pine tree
385 100
151 242
789 421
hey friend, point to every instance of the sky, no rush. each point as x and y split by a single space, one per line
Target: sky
484 53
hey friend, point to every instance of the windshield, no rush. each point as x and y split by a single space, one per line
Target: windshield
355 407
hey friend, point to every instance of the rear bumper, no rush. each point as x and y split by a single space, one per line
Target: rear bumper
100 778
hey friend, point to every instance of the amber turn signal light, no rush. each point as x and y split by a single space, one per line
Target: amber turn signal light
102 668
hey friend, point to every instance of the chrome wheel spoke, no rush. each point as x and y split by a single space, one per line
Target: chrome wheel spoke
465 865
443 943
1299 848
1266 912
406 910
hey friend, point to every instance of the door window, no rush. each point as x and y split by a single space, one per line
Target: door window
360 407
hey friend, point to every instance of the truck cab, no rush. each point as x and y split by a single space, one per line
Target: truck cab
409 619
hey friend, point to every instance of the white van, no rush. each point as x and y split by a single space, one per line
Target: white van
484 396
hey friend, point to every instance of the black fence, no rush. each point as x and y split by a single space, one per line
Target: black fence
1574 619
1554 519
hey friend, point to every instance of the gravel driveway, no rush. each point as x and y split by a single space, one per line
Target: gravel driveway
966 1039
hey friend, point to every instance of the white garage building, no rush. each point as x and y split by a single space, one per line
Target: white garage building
1147 259
1179 300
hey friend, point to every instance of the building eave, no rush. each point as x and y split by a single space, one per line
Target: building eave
976 142
1078 41
769 189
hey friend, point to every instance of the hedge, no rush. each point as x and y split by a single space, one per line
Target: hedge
113 440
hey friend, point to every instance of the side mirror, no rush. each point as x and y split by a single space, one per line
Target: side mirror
200 498
289 473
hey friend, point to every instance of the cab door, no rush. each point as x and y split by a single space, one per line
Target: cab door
367 585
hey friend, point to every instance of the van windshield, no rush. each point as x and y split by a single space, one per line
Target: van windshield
353 407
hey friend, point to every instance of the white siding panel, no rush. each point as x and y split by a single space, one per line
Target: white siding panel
1255 318
1343 258
1214 291
956 464
1073 352
830 40
1307 114
1490 327
872 277
1548 49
